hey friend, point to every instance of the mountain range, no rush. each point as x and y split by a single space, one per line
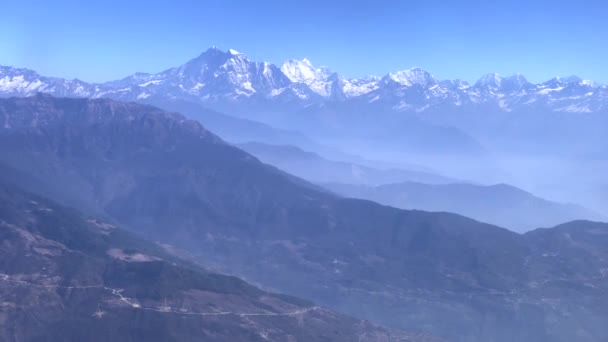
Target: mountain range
457 128
169 179
500 204
216 76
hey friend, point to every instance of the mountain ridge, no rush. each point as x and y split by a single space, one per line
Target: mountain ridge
500 204
317 169
216 75
65 276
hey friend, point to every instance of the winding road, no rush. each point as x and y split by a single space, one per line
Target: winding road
133 303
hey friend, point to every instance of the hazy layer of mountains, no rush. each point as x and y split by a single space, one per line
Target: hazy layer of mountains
407 110
315 168
500 204
543 137
169 179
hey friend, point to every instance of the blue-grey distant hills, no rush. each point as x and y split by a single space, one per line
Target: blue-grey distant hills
315 168
501 204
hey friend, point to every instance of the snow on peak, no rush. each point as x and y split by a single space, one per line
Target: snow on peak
413 76
303 71
570 79
357 87
213 50
514 82
491 80
216 53
218 74
307 62
518 79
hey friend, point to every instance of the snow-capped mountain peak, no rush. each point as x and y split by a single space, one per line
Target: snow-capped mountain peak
570 79
490 80
514 83
303 71
216 77
414 76
517 79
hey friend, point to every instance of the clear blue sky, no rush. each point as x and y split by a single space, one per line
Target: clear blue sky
104 40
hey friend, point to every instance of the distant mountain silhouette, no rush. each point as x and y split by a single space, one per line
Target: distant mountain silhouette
315 168
500 204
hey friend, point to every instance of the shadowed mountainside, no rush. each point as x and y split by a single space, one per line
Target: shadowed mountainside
64 277
170 179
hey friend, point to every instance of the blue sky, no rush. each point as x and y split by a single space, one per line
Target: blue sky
105 40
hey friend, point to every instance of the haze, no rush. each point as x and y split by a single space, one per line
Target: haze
411 171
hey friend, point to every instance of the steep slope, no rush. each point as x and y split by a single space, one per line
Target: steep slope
315 168
167 177
501 204
67 278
